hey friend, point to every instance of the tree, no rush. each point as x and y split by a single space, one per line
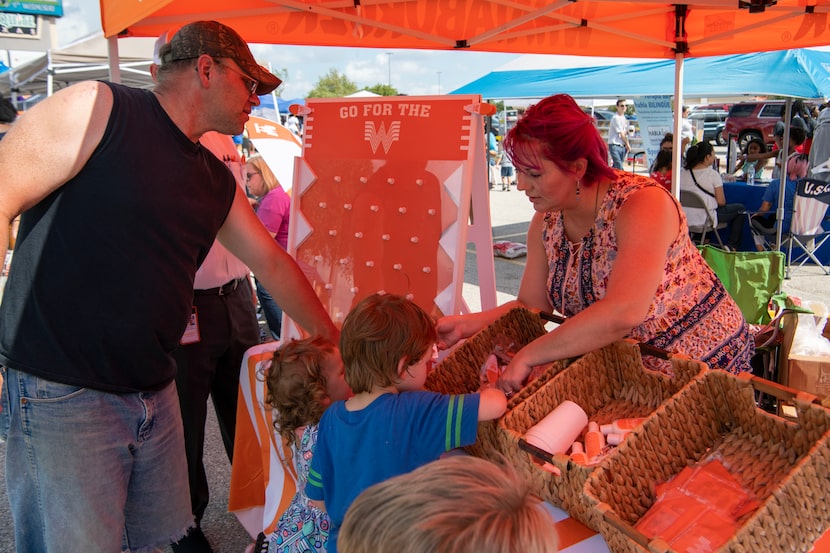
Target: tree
383 90
282 74
332 85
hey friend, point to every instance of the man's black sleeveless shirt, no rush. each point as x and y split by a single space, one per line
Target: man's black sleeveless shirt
101 283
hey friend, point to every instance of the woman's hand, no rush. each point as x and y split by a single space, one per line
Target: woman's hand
449 330
515 373
453 328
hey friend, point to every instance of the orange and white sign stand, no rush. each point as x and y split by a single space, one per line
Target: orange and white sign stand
383 198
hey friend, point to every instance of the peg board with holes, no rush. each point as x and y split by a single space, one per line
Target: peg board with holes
382 198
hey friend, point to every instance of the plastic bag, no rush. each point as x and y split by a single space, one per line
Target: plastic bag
808 339
509 249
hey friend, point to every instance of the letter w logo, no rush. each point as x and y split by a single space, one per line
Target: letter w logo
376 136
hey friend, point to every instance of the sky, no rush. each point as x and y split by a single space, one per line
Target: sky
412 72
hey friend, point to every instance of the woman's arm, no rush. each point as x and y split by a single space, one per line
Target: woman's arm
533 291
532 294
647 224
716 181
720 196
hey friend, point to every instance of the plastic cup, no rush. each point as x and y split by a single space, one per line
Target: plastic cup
559 429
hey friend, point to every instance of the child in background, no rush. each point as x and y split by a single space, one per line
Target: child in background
661 170
752 149
390 426
305 377
453 505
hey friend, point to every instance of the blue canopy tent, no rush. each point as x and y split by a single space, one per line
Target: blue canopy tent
799 73
267 109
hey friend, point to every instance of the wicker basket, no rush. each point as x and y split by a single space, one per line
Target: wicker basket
459 372
785 464
610 383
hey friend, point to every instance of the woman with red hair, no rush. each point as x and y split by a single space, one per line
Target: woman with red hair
611 251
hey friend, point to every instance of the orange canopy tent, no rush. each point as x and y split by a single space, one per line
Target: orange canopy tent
646 28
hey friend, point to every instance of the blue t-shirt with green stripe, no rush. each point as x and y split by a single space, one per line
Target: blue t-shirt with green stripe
395 434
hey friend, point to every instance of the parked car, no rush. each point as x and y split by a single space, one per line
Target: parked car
603 118
712 123
600 114
748 120
711 107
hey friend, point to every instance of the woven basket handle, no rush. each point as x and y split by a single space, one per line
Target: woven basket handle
551 317
778 390
653 351
656 545
537 452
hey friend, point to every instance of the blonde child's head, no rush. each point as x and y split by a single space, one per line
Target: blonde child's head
457 504
382 336
304 378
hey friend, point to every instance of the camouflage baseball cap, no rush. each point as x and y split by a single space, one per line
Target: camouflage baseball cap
220 41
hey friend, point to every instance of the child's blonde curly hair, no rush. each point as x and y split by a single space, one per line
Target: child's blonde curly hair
297 384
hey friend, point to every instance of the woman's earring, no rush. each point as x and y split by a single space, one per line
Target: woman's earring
577 187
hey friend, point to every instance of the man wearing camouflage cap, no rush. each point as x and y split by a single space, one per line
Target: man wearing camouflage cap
120 205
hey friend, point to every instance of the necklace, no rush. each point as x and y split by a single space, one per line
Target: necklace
575 252
577 243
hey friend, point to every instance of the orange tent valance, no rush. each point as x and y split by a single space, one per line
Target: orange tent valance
646 28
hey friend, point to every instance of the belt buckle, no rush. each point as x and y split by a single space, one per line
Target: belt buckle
232 285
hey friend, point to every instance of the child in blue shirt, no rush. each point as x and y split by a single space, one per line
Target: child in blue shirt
390 426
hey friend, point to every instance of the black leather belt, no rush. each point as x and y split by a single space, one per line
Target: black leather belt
223 290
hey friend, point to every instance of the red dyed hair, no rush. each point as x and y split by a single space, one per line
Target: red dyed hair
558 130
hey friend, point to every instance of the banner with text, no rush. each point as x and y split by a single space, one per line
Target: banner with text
654 115
33 7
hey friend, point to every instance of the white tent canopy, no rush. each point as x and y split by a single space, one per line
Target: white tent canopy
362 94
84 60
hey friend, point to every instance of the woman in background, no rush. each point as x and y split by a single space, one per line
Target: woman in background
700 178
273 208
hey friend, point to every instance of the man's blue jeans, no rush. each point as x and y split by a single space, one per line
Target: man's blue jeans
93 471
617 155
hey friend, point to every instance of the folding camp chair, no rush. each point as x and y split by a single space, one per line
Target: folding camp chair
753 280
807 228
689 199
763 226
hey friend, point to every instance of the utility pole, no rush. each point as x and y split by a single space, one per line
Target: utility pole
389 67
